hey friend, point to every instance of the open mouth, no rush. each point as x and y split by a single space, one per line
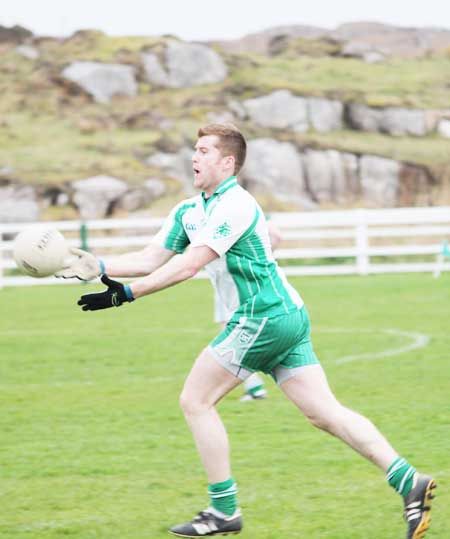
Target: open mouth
196 171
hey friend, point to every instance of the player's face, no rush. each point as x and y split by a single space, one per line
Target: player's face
210 168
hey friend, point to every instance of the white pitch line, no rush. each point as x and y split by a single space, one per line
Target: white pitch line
78 383
57 332
418 340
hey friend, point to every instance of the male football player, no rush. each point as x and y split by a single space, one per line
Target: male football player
223 230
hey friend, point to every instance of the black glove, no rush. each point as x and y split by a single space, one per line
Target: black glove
113 296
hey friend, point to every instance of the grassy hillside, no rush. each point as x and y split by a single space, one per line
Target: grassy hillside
49 133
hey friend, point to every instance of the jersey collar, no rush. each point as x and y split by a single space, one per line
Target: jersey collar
220 189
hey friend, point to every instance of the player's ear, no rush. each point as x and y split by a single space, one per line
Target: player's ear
229 161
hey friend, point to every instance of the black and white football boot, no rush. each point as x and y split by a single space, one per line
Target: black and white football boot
208 523
418 506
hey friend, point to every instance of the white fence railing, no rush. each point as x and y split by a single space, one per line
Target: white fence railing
356 241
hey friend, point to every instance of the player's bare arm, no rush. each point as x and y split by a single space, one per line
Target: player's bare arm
85 266
137 263
177 269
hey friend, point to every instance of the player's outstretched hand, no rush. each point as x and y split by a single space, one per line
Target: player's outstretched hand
114 296
82 265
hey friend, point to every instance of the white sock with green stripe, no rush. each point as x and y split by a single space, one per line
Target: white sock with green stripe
223 496
254 385
400 476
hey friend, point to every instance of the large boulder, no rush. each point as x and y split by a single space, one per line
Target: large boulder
415 186
18 203
262 42
363 51
102 81
184 65
282 110
399 121
28 52
274 168
155 187
363 118
443 128
237 109
329 175
392 120
325 114
350 166
175 165
379 179
14 34
140 197
367 40
279 109
394 41
154 71
96 197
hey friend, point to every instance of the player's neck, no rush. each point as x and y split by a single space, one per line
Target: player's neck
207 193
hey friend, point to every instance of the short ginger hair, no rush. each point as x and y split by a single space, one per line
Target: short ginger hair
231 142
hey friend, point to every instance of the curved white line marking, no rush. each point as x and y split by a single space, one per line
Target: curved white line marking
417 340
51 332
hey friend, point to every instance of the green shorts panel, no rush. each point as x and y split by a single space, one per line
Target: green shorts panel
261 344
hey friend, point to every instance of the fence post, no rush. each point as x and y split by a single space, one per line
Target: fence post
1 260
84 236
362 243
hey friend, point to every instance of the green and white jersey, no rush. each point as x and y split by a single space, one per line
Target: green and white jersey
246 276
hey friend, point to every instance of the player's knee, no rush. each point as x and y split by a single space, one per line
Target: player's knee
319 421
325 419
189 403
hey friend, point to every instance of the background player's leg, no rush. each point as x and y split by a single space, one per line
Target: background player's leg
254 388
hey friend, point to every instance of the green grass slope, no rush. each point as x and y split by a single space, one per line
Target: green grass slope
49 134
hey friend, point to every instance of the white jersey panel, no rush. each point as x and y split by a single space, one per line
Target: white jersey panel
227 220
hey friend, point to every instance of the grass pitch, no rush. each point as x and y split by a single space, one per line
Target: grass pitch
94 446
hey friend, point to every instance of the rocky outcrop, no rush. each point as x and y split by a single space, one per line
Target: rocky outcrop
183 65
305 176
140 197
18 203
100 196
14 34
364 51
325 114
275 168
102 81
443 128
175 165
393 40
281 109
379 178
28 52
306 179
391 120
95 197
331 176
262 42
177 64
311 177
369 41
